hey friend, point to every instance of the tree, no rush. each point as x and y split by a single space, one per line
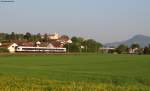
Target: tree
27 36
146 50
12 36
122 49
135 45
77 41
7 37
72 47
38 37
19 36
3 50
91 45
45 37
2 36
74 39
81 45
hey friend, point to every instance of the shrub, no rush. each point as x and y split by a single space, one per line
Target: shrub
2 50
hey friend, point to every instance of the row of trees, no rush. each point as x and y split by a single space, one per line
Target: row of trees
5 37
122 49
81 45
125 49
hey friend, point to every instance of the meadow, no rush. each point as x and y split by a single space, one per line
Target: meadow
74 72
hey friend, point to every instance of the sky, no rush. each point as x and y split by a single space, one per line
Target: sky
103 20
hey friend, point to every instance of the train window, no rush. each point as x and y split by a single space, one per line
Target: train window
28 48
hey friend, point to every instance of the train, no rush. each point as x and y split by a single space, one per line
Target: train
40 49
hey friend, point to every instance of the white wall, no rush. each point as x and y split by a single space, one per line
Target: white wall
11 48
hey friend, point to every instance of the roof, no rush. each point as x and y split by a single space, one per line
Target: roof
56 44
64 38
5 45
20 43
30 44
24 43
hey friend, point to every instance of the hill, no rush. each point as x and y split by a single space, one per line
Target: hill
142 40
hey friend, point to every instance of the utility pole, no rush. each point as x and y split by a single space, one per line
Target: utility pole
69 42
68 47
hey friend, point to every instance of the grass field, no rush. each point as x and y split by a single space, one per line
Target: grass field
85 72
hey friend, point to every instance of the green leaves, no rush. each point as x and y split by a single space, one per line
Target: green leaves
81 45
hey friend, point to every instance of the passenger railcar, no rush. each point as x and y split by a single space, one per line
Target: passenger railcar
40 49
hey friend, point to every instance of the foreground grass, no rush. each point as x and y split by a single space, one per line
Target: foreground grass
34 84
90 72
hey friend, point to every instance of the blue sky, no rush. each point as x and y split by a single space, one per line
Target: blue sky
103 20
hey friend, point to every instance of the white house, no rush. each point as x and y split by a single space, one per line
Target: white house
134 50
11 48
69 41
54 36
106 49
50 46
38 43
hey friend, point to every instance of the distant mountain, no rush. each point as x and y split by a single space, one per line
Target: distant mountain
142 40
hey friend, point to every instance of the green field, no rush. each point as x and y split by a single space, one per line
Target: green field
84 72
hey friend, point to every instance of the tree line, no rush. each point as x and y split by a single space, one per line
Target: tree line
124 49
5 37
78 44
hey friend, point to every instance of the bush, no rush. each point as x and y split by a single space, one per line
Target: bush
72 47
2 50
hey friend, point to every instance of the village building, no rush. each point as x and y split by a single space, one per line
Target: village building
63 39
54 36
50 45
12 47
55 44
107 49
38 43
135 50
